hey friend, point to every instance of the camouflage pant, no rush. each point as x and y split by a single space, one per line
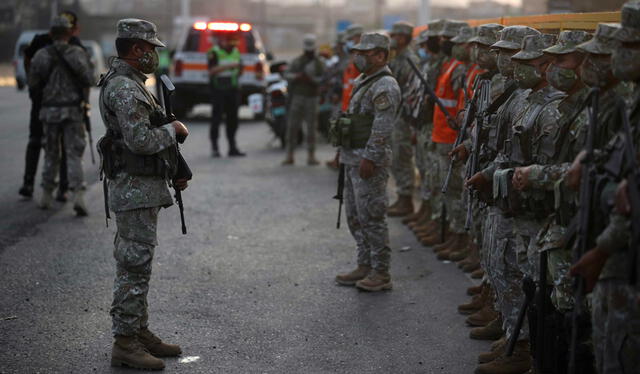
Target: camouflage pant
365 207
456 214
616 327
402 166
423 146
527 245
559 260
302 109
134 247
501 265
72 134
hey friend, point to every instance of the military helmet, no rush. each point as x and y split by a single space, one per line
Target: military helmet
568 40
353 30
630 20
464 35
133 28
603 42
309 42
422 37
434 27
451 28
372 40
402 28
61 22
511 37
532 46
487 34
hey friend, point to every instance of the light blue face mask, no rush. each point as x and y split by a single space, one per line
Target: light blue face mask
349 44
424 55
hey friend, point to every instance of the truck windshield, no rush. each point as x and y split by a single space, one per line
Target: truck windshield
203 40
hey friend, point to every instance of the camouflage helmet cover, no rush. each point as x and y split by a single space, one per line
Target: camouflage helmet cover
133 28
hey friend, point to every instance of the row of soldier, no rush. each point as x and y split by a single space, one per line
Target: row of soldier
527 179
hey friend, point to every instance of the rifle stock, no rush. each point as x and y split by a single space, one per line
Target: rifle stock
340 193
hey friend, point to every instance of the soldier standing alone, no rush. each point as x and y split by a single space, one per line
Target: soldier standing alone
139 158
372 109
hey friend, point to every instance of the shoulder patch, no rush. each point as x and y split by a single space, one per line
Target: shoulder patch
382 101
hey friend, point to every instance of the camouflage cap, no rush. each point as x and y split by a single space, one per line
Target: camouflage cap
60 22
603 42
511 36
309 42
630 20
434 27
402 28
372 40
532 46
568 40
353 30
422 37
487 34
133 28
451 28
464 35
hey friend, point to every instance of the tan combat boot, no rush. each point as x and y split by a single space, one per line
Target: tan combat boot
426 228
472 265
447 243
156 346
492 331
518 363
425 215
403 207
482 317
289 160
475 290
375 281
311 160
79 205
462 253
477 274
417 216
497 349
435 237
350 279
46 200
128 351
476 303
460 242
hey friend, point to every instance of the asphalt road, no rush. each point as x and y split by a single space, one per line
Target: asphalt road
249 290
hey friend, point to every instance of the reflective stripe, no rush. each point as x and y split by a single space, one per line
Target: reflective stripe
448 103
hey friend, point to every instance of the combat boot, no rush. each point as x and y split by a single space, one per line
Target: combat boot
79 205
424 218
460 241
462 253
492 331
435 237
417 216
425 228
128 351
311 160
482 317
472 265
156 346
518 363
46 200
477 274
375 281
475 290
477 302
350 279
289 160
403 207
497 349
26 191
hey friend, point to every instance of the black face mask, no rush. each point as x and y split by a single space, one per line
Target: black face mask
447 47
433 45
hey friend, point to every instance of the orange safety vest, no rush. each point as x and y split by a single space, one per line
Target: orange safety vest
442 133
469 83
350 74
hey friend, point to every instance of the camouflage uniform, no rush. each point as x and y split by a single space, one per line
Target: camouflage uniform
402 166
62 112
303 106
127 109
366 199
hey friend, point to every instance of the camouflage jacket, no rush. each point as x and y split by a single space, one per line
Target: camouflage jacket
126 107
382 99
401 69
419 103
313 68
61 94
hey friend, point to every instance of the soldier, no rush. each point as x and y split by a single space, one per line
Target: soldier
402 166
372 109
138 158
304 77
35 125
62 73
609 265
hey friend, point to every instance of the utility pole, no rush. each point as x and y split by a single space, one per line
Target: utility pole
377 14
424 13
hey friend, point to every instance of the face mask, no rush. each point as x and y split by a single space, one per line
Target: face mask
447 47
625 63
526 76
433 45
561 78
149 62
393 44
424 55
486 59
459 52
595 73
505 65
361 62
349 44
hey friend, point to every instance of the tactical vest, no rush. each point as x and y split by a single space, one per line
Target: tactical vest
352 131
115 156
227 79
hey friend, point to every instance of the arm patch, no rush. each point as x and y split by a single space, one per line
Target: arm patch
382 102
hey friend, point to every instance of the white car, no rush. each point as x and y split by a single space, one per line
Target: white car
189 71
18 56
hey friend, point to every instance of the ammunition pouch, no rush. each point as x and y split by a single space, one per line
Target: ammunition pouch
351 131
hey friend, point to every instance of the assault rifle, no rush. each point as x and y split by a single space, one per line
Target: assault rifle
529 289
182 171
587 187
340 193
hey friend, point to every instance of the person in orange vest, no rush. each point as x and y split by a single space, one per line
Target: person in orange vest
443 136
402 165
352 37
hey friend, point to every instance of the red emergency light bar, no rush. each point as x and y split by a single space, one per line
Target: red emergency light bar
222 26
